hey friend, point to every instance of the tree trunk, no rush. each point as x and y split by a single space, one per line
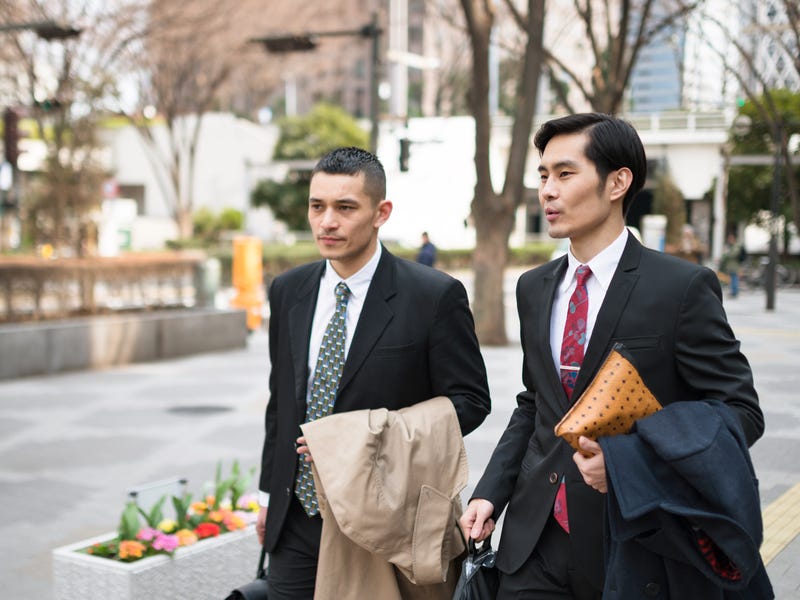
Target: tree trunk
493 213
494 219
183 219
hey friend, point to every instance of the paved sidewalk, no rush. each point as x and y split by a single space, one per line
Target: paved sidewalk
71 445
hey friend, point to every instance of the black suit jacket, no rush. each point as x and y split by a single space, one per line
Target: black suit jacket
668 313
415 339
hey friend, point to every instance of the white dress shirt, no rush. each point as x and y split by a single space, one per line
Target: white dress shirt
603 267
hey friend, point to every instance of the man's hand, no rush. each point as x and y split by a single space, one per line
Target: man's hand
591 464
302 448
261 524
477 522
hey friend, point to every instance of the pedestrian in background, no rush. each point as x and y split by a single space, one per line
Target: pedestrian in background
427 252
609 289
730 263
360 329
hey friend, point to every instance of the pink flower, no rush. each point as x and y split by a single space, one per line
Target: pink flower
147 533
165 542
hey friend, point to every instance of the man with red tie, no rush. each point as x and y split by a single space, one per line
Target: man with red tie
608 289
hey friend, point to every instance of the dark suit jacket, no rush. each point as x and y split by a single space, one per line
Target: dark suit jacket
415 339
668 313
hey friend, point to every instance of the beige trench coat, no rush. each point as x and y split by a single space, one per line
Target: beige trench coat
388 485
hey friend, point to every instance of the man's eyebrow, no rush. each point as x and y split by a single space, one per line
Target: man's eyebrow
336 201
571 164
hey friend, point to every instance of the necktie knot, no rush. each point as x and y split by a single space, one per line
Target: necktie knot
582 274
342 293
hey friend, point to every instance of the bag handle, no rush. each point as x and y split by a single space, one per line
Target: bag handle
470 545
260 572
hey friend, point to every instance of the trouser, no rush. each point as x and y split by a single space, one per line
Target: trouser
549 572
293 563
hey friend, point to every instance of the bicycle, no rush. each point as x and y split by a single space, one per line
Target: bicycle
754 276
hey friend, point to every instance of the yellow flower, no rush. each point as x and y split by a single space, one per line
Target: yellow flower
131 549
168 525
252 506
199 507
186 537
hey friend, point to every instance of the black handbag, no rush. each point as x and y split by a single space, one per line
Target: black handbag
258 589
479 577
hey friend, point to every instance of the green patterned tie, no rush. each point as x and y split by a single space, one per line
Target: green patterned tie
323 390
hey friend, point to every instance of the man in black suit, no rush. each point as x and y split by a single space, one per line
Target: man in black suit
409 337
668 314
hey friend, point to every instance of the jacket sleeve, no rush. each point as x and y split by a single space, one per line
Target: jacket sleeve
500 476
708 356
455 361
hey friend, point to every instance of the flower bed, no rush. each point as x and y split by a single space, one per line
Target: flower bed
206 551
209 569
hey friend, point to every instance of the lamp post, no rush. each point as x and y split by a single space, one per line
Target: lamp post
48 31
774 202
302 42
742 126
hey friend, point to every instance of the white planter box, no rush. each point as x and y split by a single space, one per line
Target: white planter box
209 569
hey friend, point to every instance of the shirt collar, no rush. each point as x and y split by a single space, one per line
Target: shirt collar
358 282
603 265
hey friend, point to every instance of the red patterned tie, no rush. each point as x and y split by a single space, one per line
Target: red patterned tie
572 349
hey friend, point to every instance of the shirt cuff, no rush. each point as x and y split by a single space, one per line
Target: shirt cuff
263 498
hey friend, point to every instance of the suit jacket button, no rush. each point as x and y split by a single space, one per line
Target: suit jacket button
288 491
553 478
651 590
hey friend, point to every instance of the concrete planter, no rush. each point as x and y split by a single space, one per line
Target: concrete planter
207 570
104 341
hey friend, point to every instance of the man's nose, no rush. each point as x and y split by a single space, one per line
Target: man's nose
329 219
547 189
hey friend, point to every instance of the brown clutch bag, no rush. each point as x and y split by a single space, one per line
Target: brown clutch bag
615 399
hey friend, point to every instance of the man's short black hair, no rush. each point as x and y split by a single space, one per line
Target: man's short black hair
613 144
352 161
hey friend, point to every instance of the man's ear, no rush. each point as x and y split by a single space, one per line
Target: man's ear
383 212
619 182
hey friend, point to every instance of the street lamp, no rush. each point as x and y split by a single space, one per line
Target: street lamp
47 30
303 42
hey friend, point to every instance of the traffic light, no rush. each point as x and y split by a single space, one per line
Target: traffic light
11 136
48 104
405 153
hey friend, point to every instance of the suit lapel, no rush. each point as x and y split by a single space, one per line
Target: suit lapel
375 316
548 292
611 311
301 315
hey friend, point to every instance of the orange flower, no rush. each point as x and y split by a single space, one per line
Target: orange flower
186 537
217 516
199 507
131 549
234 522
